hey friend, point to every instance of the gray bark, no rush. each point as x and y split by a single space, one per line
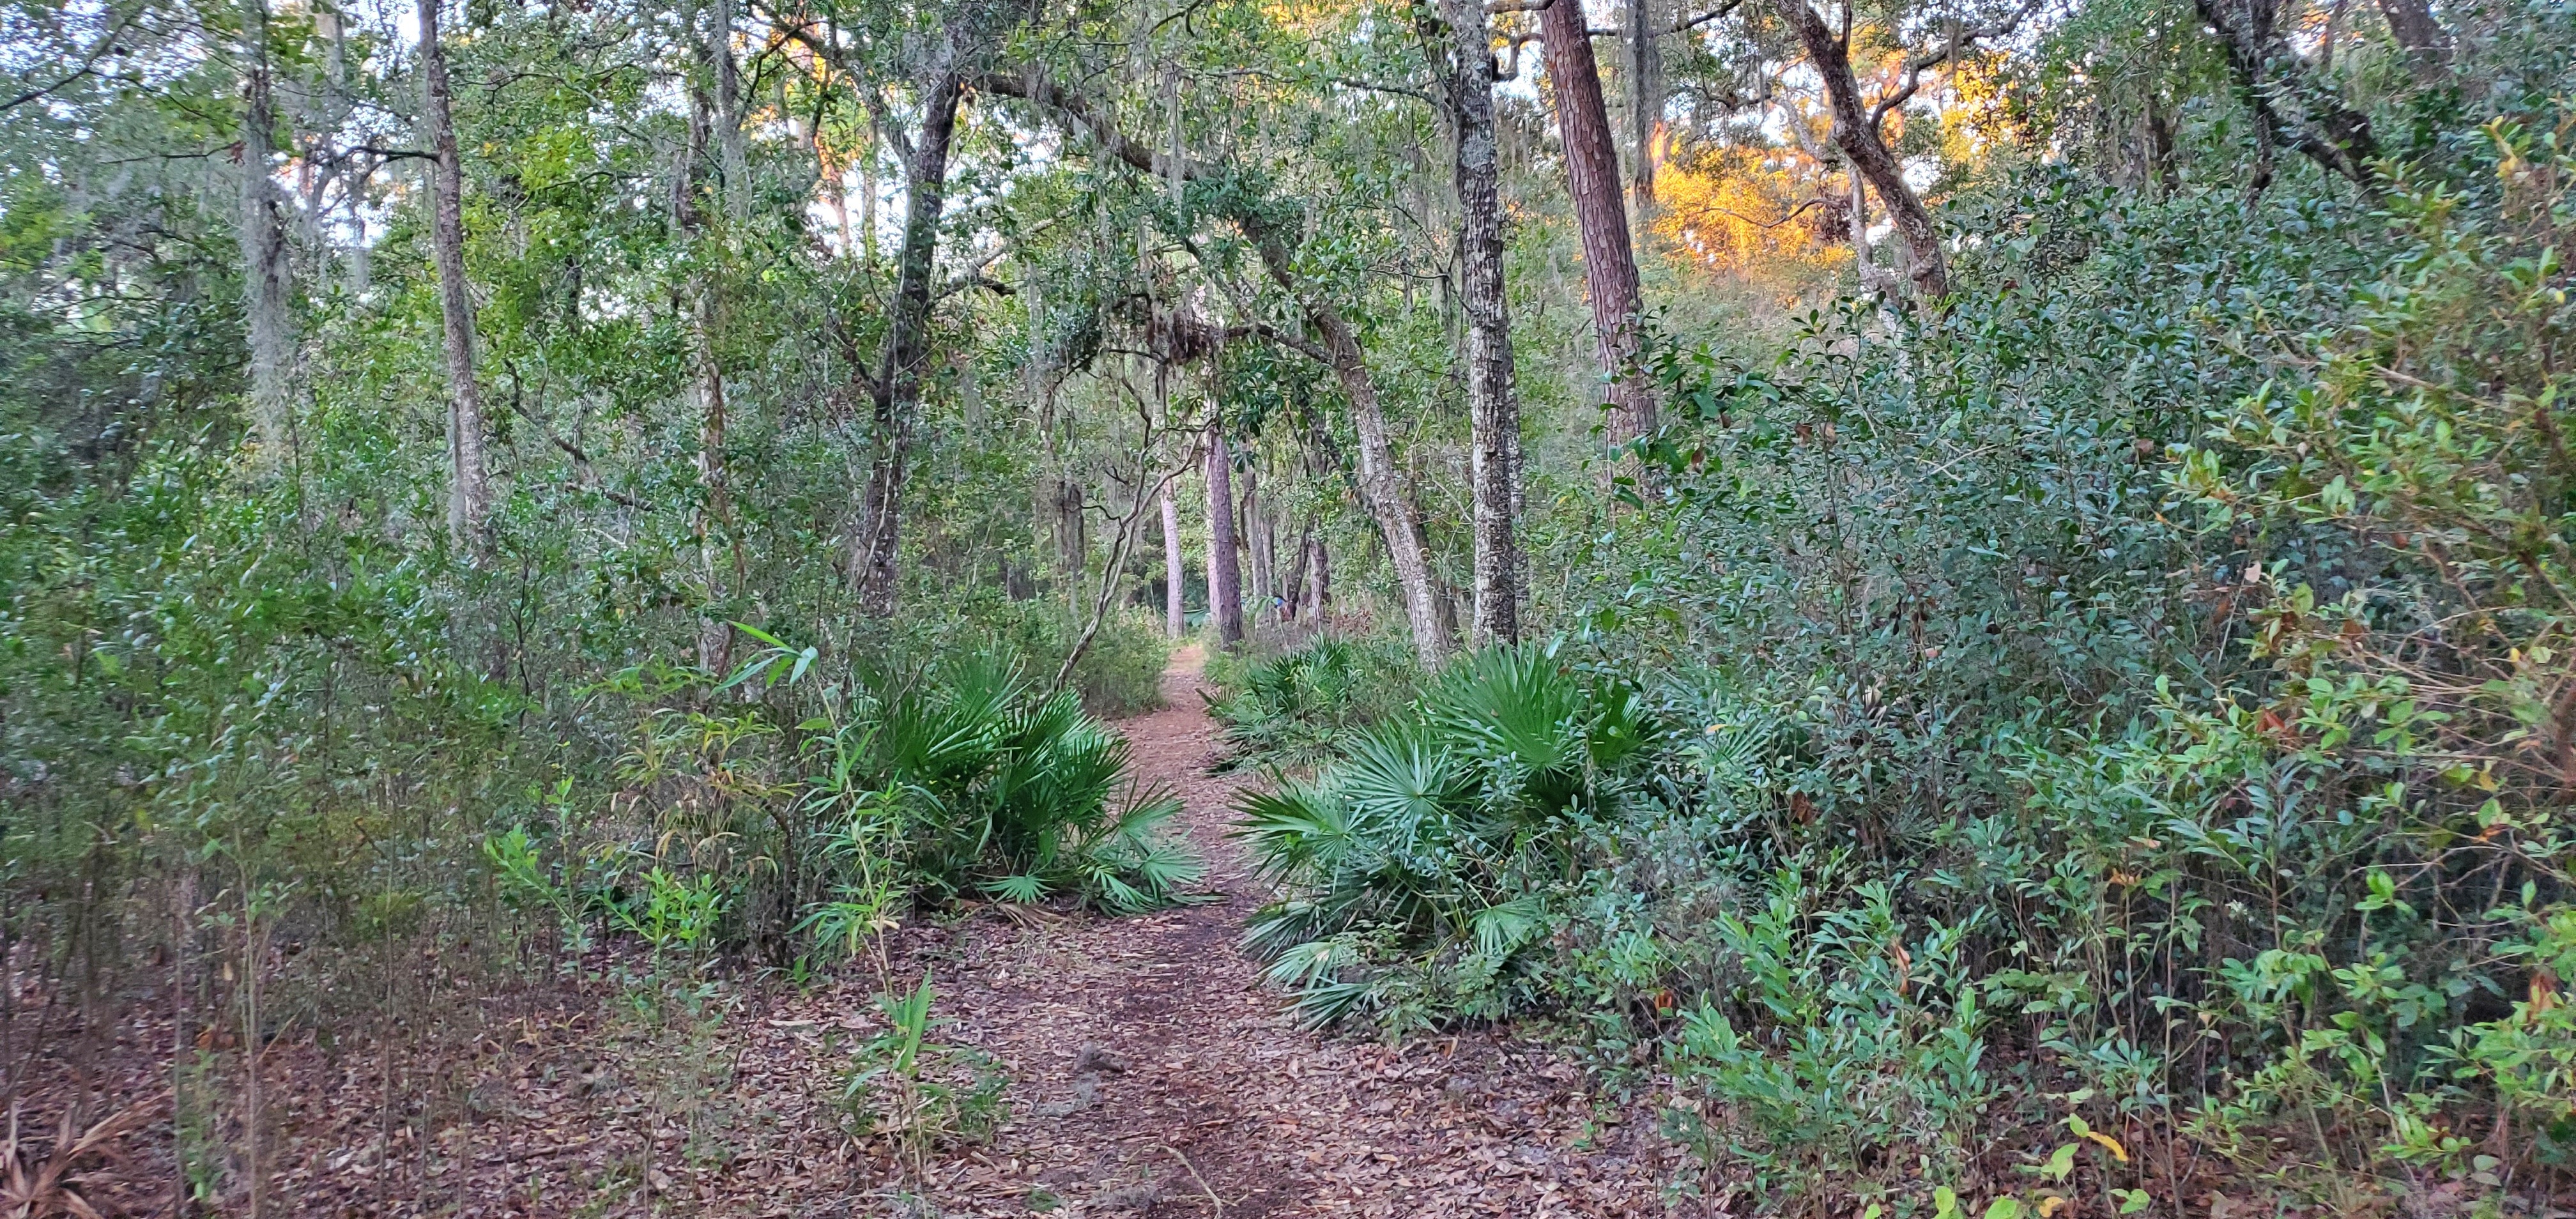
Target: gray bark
263 246
1225 582
1253 552
469 481
1175 616
897 390
1319 578
2421 36
1829 51
1493 413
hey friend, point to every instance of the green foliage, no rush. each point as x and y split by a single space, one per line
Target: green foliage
1019 790
1416 867
1880 1049
917 1094
1292 712
2131 673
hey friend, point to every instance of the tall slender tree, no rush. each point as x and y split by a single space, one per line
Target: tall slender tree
263 246
712 521
1592 178
1224 578
906 351
1175 618
469 480
1493 414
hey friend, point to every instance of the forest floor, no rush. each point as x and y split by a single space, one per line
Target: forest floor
1149 1073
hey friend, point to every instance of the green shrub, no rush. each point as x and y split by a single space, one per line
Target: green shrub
1416 867
1293 711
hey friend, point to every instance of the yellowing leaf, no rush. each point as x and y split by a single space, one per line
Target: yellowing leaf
2109 1144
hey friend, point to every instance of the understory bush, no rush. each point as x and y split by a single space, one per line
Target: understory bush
2092 758
959 778
1415 866
1290 712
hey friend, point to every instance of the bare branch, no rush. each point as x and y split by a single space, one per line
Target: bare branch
1959 40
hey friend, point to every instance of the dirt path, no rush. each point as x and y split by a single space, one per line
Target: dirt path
1153 1074
1150 1073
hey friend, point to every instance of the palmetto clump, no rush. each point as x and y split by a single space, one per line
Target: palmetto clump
1415 869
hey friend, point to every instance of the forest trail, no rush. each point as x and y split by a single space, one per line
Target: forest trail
1150 1074
1153 1074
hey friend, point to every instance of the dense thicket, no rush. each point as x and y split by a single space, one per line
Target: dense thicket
2030 662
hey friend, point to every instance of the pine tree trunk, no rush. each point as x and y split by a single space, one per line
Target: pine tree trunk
1592 174
907 347
263 246
469 485
1175 617
1494 416
1225 581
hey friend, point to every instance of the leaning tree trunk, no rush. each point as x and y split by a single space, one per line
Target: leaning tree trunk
263 246
1494 418
1382 492
469 486
1592 178
907 347
1175 616
1292 586
1225 580
2288 100
1859 141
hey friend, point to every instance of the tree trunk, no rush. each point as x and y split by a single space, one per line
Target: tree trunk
2420 34
1382 492
1292 587
1853 132
1175 617
713 523
263 246
469 486
1319 578
733 159
1493 414
1072 539
907 346
1257 558
1332 342
2289 104
1592 175
1645 100
1225 581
